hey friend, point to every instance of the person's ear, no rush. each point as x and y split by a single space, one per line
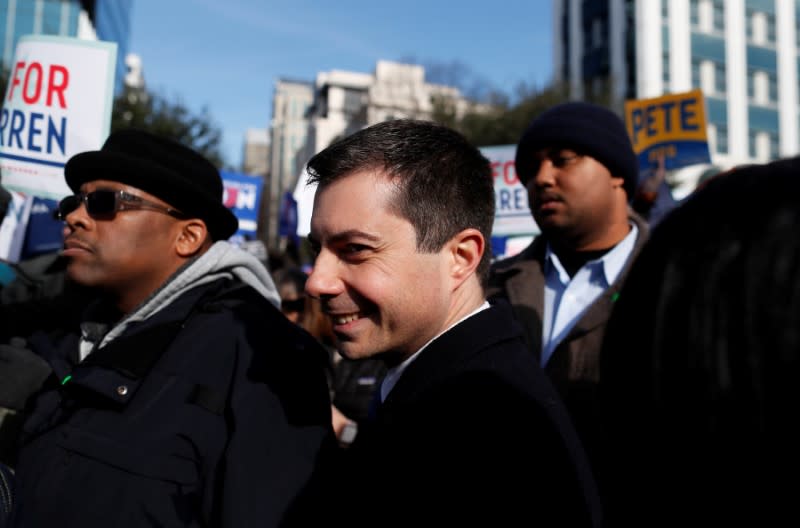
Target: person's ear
466 250
617 182
191 237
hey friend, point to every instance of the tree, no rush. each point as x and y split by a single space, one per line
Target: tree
499 121
493 117
153 112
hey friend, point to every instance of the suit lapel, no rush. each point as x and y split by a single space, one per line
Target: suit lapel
442 357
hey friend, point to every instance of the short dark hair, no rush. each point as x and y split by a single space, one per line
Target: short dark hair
444 184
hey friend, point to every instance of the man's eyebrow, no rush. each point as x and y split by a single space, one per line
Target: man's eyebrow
353 233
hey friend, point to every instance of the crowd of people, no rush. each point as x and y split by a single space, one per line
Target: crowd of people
623 370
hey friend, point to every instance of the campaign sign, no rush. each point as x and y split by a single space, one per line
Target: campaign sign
13 226
287 217
303 196
512 214
57 104
45 232
672 126
242 195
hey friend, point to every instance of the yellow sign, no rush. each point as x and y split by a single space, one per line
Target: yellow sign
672 126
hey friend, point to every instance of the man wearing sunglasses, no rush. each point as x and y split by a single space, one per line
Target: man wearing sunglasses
578 165
185 398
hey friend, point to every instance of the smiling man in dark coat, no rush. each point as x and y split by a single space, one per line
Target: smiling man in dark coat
469 431
185 398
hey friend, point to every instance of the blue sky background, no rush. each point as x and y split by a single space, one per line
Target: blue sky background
227 55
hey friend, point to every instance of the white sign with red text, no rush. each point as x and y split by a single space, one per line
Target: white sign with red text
512 216
57 104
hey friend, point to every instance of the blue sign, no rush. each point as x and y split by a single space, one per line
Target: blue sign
44 233
243 197
287 217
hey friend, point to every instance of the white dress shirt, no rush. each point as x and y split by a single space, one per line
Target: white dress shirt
566 299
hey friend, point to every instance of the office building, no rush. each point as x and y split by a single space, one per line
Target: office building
743 54
107 20
290 103
255 157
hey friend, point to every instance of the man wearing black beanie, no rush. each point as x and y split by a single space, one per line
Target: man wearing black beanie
577 162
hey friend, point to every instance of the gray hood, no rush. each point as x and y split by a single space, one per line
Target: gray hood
222 260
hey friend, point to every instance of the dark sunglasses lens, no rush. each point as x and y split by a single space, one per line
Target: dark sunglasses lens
67 205
101 202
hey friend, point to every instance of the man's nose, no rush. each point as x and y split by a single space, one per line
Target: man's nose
76 217
324 280
545 175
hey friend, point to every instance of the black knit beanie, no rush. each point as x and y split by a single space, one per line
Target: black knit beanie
588 129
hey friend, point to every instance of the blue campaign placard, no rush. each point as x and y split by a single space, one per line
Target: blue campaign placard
243 197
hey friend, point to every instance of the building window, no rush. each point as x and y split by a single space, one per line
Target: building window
760 91
773 87
722 139
665 70
352 102
771 28
694 13
760 27
598 39
774 146
719 78
664 9
762 87
718 15
797 30
752 143
696 73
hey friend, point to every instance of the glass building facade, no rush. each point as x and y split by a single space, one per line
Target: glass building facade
88 19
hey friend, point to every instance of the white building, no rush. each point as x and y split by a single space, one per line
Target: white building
345 101
290 103
743 54
255 155
339 108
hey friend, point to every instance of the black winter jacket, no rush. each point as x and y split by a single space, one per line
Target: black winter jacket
212 412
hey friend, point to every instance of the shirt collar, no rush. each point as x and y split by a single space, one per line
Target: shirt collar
611 263
394 373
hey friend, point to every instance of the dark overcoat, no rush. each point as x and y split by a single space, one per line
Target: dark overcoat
472 434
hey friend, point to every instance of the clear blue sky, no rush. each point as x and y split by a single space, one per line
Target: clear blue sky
227 55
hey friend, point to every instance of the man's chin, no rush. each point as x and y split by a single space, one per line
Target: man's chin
352 351
549 224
